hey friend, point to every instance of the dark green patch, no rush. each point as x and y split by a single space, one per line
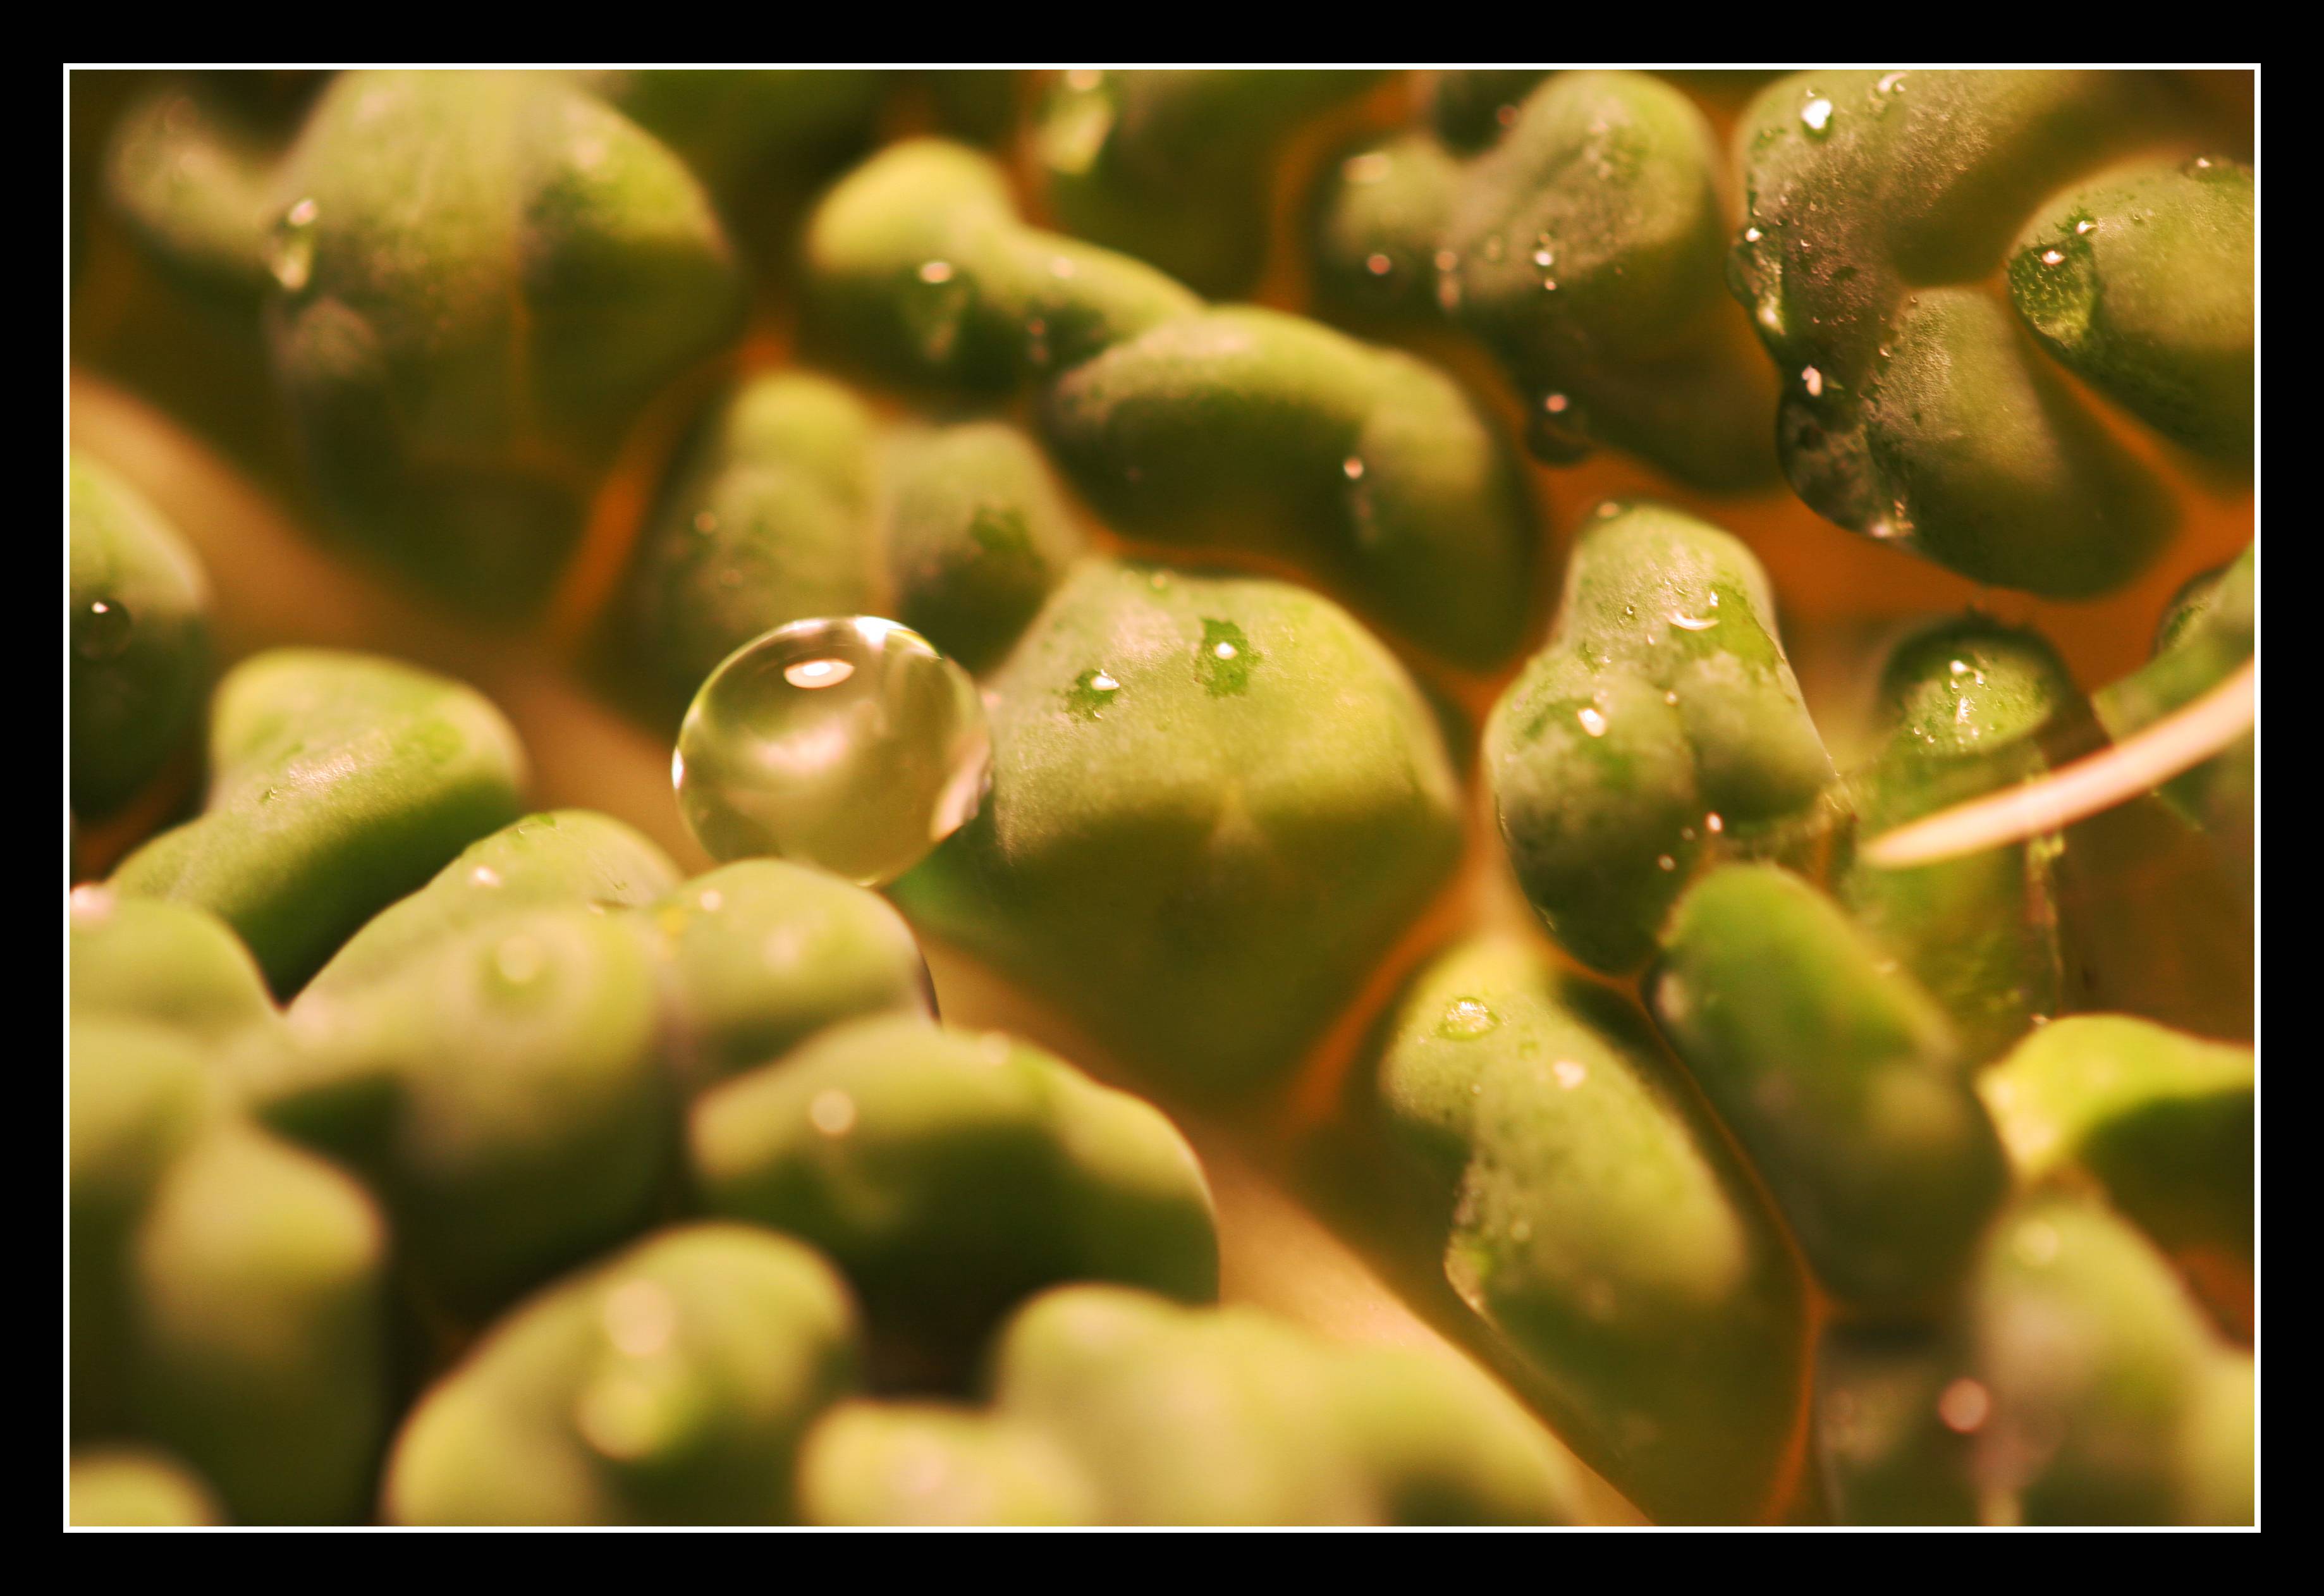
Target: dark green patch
1225 662
1085 698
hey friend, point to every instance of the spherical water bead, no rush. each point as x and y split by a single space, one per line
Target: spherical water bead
848 744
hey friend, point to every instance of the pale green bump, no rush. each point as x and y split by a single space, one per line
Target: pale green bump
2164 1122
1201 876
1112 1407
1661 727
670 1384
479 282
1599 1229
338 783
1841 1078
228 1292
950 1175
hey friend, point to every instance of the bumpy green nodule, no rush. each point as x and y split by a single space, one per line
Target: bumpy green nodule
505 1053
1112 1407
1841 1077
1215 802
1236 426
1586 250
137 611
2073 1383
478 281
1175 167
1601 1230
1960 703
338 783
791 502
120 1486
670 1384
228 1292
2164 1121
1661 726
1917 408
950 1175
2142 284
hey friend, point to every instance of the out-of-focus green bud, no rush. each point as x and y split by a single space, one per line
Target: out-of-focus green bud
1915 408
2163 1121
1961 701
760 954
227 1292
559 857
1176 167
479 280
919 269
1239 427
122 1486
1584 249
1661 727
951 1174
167 964
978 535
1839 1076
757 139
768 521
505 1053
881 1463
670 1385
1601 1230
192 178
2142 283
1256 429
501 1089
138 615
791 504
1112 1407
2075 1383
338 783
1215 802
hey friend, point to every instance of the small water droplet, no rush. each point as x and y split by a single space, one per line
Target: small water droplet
1816 115
102 631
1592 721
1377 264
1352 468
1812 380
2051 257
1569 1074
1467 1018
935 271
850 744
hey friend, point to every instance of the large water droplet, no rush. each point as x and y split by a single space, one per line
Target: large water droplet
848 744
